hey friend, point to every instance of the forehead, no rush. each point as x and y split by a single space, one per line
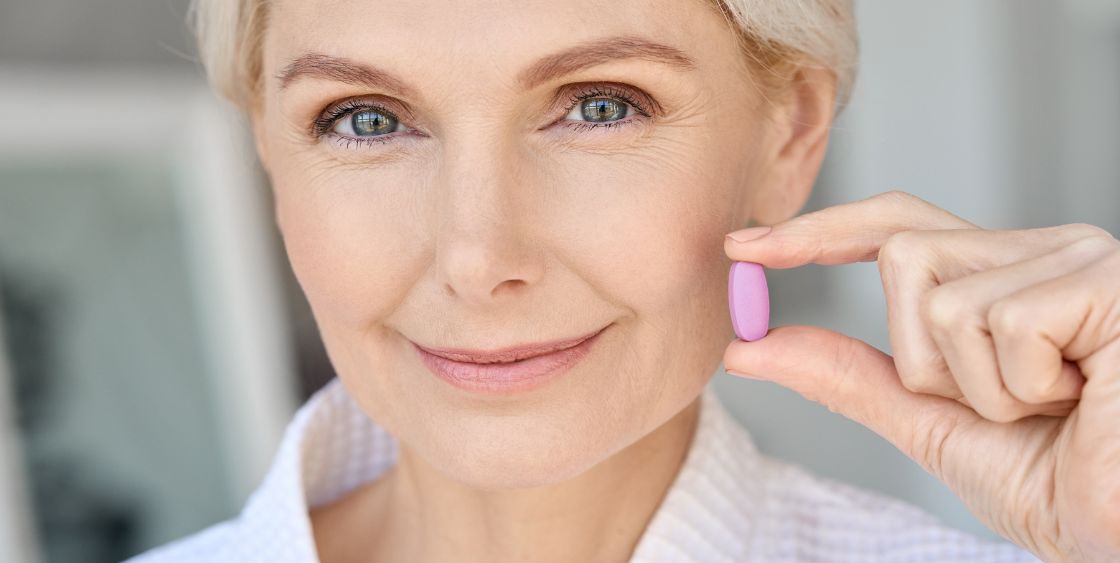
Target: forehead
502 34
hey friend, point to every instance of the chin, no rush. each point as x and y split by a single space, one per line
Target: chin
497 475
518 455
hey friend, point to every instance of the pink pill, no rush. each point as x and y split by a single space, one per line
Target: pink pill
749 299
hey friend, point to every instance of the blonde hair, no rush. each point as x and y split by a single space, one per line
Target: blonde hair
777 37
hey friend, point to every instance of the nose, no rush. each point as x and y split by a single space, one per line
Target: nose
486 251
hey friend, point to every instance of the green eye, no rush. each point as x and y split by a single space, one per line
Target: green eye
603 110
599 110
367 123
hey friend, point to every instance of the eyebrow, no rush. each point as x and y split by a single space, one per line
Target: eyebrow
599 52
338 69
568 61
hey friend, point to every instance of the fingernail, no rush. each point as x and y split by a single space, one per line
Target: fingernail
741 374
747 235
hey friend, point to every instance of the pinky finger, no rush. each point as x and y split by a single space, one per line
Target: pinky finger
1046 329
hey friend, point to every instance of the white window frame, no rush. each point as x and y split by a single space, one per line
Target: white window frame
131 114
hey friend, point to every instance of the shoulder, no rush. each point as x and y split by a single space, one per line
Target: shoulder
813 518
236 541
328 449
215 543
779 511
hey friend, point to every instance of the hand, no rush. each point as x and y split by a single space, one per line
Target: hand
1005 382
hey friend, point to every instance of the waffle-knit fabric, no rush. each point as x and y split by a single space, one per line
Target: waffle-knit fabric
728 503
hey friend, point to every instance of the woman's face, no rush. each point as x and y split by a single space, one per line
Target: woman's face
437 183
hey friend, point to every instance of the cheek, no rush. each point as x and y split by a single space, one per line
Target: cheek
648 228
646 232
351 238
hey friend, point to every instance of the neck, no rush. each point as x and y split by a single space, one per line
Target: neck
416 513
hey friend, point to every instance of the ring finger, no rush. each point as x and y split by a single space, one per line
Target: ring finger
956 315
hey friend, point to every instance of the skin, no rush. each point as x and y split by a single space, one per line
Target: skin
496 225
1005 379
493 224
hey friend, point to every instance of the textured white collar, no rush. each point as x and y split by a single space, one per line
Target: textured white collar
727 503
332 447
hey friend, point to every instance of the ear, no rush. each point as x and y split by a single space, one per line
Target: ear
800 123
256 124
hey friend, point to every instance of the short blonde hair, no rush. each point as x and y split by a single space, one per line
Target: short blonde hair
777 36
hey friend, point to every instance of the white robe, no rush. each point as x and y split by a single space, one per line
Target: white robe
728 503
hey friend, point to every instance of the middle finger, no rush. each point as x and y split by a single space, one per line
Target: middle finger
956 315
912 263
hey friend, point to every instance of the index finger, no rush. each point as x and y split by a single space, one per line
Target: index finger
842 234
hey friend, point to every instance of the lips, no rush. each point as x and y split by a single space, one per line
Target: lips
511 354
506 370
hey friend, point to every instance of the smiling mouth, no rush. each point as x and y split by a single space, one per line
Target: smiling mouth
507 355
507 371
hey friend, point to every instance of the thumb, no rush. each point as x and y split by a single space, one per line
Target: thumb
851 378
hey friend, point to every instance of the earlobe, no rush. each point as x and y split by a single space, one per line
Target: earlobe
801 126
262 153
258 138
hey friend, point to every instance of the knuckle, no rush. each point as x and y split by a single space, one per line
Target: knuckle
898 245
897 253
943 308
1008 318
1092 246
898 197
898 200
1086 230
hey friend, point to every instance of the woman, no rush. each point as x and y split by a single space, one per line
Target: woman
507 218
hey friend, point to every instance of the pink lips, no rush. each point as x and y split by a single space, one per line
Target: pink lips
508 370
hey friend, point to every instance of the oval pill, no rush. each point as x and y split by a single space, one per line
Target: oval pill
748 296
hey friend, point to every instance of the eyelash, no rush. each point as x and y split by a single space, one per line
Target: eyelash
604 91
322 126
326 121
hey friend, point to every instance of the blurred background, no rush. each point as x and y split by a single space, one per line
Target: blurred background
153 343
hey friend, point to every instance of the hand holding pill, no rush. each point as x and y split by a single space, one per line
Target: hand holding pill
1005 376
